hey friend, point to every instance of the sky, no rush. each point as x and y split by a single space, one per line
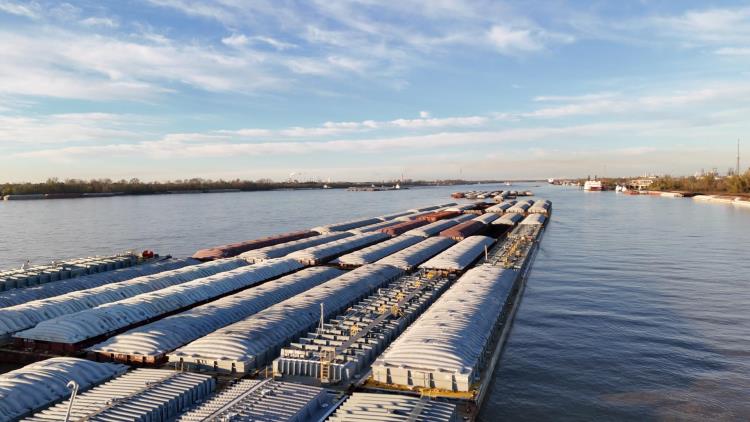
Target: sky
367 90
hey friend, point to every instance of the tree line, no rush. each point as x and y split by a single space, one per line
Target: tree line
137 187
705 184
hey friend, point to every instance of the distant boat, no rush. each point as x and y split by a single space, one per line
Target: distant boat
593 185
326 187
508 184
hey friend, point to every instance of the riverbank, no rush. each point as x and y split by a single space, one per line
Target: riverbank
742 200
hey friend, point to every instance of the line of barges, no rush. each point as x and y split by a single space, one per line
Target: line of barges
409 310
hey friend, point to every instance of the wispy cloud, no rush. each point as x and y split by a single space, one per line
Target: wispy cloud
100 21
61 63
733 51
575 98
327 129
25 9
712 25
510 40
611 103
277 44
235 40
64 129
194 145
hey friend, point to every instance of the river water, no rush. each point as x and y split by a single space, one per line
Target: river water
637 308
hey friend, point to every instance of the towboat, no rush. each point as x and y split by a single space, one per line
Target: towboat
592 185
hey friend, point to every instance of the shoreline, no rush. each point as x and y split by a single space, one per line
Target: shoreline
146 189
742 200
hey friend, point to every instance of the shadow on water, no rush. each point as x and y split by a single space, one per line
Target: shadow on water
634 311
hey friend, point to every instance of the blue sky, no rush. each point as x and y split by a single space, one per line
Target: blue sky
370 90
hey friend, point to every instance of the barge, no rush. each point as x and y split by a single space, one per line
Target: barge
437 299
32 275
150 343
451 352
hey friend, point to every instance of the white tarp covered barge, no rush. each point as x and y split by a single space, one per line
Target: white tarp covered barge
150 343
42 383
29 314
73 329
445 347
255 341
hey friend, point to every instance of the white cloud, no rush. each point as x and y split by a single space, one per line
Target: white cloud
190 145
514 40
733 51
575 98
509 40
369 33
348 63
595 104
424 114
279 45
235 40
29 9
198 8
330 128
440 122
99 21
63 64
248 133
63 129
709 25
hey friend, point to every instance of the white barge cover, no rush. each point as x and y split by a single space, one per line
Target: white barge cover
56 288
107 318
510 219
42 383
160 337
443 349
411 257
323 253
254 341
267 401
434 228
29 314
533 219
501 207
373 407
540 206
154 395
377 251
458 257
283 249
520 207
487 218
346 225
